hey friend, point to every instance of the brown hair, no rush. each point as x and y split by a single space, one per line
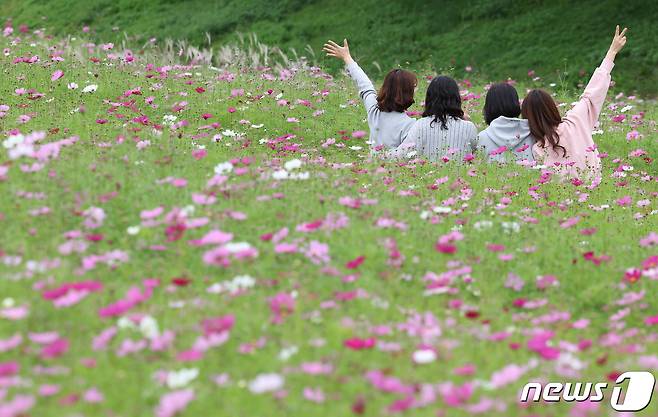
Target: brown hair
397 92
543 119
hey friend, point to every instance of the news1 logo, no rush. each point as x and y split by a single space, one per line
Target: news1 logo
636 397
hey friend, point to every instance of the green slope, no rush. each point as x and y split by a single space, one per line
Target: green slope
560 40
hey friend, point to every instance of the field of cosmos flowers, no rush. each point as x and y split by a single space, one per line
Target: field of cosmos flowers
181 239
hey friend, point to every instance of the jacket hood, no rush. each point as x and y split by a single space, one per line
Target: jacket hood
508 131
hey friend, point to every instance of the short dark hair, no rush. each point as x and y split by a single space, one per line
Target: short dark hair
502 100
443 100
397 92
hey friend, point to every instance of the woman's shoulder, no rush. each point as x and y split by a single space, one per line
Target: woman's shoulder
466 123
423 121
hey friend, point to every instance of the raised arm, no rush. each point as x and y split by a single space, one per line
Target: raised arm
587 110
363 84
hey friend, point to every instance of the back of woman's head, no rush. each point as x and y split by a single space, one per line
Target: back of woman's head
501 100
443 101
397 92
543 119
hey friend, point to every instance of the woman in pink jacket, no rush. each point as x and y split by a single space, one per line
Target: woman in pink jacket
566 144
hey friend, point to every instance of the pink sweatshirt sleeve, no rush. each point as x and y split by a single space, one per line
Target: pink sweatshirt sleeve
589 106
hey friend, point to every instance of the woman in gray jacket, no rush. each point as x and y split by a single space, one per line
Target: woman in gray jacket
442 134
506 134
387 120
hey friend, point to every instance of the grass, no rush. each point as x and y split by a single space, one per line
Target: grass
554 38
106 169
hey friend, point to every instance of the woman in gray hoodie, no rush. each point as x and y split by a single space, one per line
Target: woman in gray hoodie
386 110
506 134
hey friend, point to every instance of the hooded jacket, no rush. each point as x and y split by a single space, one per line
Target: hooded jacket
506 135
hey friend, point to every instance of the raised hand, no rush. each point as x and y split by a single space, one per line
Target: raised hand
341 52
617 44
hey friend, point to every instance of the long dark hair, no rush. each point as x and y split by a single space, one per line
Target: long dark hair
543 119
397 91
502 100
443 100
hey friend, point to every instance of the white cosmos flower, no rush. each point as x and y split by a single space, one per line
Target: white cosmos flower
266 383
90 88
300 176
229 133
181 378
292 164
235 247
133 230
13 141
441 209
511 227
483 224
287 353
223 167
125 323
281 174
240 282
424 356
169 119
149 327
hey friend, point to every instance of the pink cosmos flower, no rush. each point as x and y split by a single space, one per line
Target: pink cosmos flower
315 395
174 402
281 305
55 349
101 341
10 343
625 201
18 406
93 396
633 134
649 240
9 369
57 75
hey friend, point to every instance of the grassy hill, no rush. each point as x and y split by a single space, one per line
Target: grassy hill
559 40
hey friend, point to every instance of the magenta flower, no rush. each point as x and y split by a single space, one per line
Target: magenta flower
357 343
281 305
57 75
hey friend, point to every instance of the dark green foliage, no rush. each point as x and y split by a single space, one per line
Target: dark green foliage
562 41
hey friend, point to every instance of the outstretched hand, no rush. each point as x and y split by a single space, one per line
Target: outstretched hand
617 44
341 52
